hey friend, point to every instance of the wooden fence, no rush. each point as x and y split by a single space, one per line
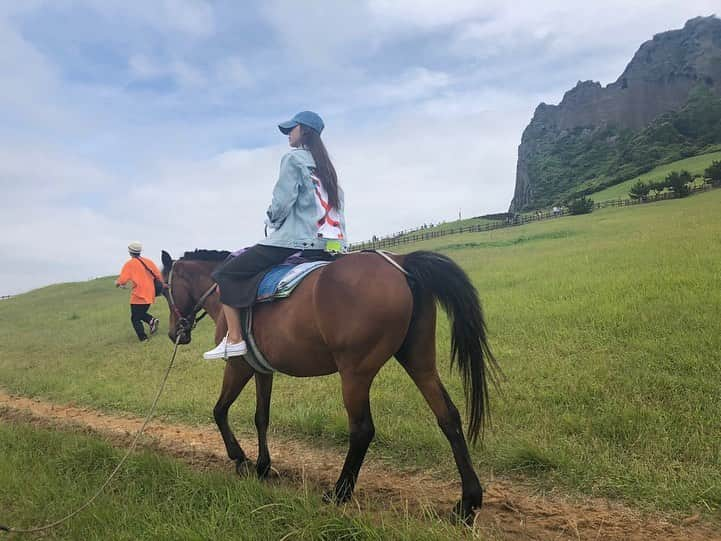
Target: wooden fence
511 221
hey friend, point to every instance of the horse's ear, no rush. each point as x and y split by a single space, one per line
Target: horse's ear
166 259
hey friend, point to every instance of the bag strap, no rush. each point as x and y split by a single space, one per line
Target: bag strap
146 267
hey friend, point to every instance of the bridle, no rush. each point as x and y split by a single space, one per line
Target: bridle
186 323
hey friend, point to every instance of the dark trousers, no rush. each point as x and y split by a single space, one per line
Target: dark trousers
138 314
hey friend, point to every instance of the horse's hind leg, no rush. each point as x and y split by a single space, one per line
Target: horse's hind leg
237 374
418 357
357 404
450 422
263 389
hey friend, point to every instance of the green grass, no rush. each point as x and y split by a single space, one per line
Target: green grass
606 325
47 474
694 165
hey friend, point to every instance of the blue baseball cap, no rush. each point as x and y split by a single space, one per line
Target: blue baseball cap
307 118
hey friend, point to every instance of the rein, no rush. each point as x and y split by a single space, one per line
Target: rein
188 323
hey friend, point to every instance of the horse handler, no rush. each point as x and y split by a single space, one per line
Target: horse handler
140 273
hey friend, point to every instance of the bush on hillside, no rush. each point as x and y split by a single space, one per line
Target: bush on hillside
582 205
639 190
659 185
713 172
679 182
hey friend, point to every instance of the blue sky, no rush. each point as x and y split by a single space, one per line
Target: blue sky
155 121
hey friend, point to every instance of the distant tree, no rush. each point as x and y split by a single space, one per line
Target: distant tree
659 185
582 205
713 172
639 190
679 181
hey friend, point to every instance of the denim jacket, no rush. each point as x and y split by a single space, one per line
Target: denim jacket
293 214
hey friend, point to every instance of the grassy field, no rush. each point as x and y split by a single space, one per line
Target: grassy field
606 325
46 474
694 165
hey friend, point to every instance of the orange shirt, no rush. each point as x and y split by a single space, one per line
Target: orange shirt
143 288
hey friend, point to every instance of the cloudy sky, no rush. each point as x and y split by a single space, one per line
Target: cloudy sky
155 120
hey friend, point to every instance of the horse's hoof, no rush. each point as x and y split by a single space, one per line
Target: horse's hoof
337 496
330 496
262 470
464 512
243 467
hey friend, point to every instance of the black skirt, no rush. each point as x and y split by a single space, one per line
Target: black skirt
239 277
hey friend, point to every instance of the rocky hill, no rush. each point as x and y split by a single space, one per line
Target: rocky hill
666 105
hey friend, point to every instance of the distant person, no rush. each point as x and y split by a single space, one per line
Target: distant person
140 272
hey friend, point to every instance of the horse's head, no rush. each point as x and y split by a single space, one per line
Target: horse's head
190 290
179 297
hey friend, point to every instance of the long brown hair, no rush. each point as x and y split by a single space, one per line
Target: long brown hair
323 166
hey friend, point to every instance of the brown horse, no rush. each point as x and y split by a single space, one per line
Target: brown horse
350 317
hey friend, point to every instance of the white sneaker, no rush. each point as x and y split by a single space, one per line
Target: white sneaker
235 350
226 349
218 352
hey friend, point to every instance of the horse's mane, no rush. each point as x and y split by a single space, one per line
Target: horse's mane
206 255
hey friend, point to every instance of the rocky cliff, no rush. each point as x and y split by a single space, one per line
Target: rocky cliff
586 137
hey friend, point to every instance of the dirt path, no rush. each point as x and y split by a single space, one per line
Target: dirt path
512 509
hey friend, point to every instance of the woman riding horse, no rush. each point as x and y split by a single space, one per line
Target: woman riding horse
305 214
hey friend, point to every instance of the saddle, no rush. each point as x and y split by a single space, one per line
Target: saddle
278 283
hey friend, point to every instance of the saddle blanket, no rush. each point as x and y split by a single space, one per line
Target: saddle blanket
278 283
281 280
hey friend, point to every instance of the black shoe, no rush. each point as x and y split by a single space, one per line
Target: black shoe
154 325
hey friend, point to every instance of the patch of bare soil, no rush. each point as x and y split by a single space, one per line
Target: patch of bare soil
512 509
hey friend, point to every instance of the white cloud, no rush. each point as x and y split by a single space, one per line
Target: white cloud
424 167
29 80
431 13
226 75
414 84
231 71
31 174
143 68
330 34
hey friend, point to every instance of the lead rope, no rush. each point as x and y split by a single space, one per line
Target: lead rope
117 468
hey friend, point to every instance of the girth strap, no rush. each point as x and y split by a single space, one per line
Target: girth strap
254 357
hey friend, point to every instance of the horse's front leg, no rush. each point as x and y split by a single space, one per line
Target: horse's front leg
263 390
237 374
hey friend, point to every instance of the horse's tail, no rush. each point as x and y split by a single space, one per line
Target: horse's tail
450 286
